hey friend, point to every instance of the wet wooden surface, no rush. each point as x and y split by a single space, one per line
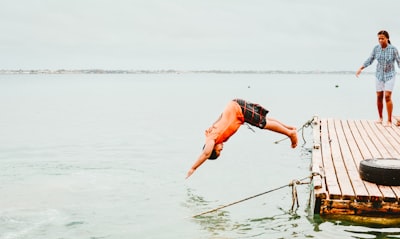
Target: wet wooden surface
339 147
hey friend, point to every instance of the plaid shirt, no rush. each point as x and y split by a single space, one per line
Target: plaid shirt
385 69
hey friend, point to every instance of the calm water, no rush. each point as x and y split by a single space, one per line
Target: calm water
105 156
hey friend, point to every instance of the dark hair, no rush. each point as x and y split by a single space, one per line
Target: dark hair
213 154
385 33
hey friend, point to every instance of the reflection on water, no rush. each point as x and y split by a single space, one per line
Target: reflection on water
377 234
23 222
214 222
353 228
221 223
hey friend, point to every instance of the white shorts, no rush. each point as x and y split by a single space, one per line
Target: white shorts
385 85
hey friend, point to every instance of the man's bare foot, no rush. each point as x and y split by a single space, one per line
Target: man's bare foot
293 137
379 121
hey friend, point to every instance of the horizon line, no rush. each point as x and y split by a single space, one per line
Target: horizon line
170 71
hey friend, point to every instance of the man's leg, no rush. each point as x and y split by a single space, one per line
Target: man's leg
278 127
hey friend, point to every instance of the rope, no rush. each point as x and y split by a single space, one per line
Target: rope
294 196
250 128
305 125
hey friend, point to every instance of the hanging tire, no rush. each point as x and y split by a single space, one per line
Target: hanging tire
382 171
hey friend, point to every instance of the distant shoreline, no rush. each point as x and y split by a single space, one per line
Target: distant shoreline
99 71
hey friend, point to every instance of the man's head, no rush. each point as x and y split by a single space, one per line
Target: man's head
213 155
216 151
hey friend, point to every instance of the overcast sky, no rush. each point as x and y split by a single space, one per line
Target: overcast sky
193 34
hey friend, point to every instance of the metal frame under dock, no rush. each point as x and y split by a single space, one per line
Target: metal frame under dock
337 189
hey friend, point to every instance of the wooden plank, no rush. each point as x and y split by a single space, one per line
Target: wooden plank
340 168
349 150
365 131
372 145
395 135
396 129
383 144
318 178
360 152
394 139
395 132
317 165
351 207
331 182
383 147
396 190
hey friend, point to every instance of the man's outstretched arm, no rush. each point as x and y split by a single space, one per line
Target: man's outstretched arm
205 154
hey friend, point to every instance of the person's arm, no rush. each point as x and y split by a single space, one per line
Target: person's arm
368 62
359 71
205 154
397 57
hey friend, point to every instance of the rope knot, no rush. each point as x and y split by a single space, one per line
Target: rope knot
295 198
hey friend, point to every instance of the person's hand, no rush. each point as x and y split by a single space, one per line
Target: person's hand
358 72
190 172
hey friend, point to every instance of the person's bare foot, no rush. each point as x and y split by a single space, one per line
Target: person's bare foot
388 124
293 137
379 121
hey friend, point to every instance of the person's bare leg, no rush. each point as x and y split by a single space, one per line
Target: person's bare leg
279 127
379 104
389 107
284 125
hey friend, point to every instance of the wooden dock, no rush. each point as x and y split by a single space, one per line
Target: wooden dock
337 189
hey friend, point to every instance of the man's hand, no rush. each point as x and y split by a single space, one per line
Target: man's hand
190 172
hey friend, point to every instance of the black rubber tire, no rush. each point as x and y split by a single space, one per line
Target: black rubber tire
382 171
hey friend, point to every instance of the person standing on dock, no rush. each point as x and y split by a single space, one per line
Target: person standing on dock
236 113
385 54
